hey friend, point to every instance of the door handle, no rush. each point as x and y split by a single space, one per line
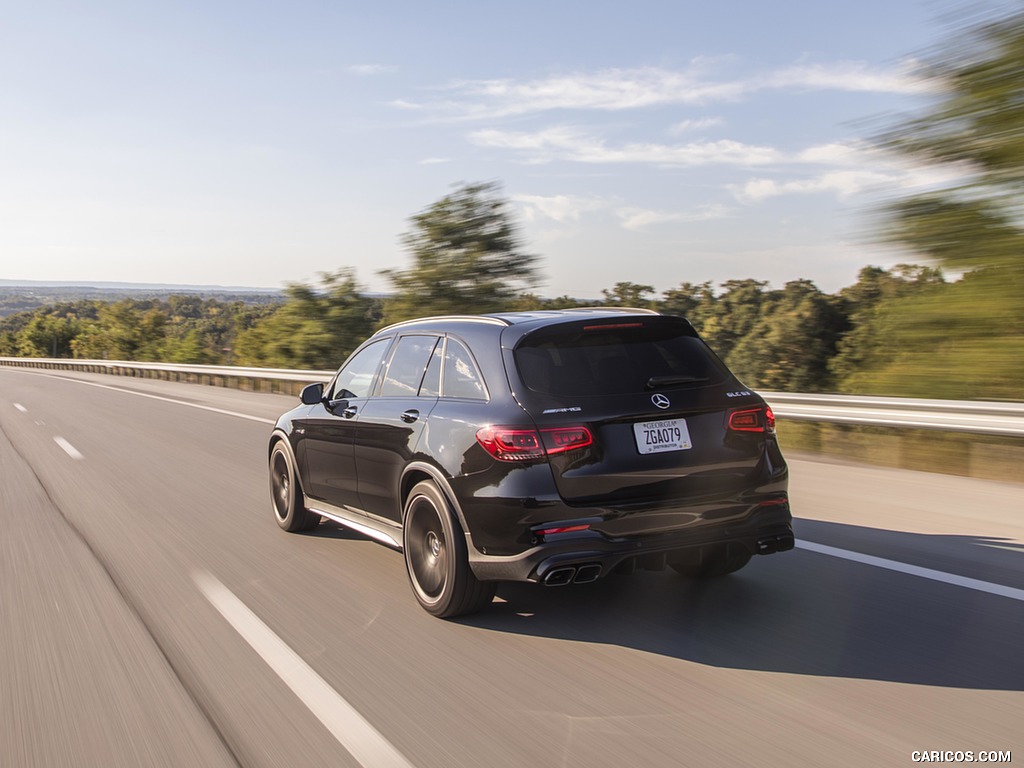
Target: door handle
410 416
349 412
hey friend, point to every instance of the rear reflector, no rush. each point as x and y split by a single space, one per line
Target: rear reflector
563 529
517 444
752 420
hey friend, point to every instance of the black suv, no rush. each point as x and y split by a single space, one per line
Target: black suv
551 446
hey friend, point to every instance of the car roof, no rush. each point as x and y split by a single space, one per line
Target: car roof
536 317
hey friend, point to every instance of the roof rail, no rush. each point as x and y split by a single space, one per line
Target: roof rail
640 310
467 318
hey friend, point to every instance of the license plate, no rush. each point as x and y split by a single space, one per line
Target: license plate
662 436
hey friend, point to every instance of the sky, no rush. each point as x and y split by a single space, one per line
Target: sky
257 143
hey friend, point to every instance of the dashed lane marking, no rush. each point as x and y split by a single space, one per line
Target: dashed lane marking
69 449
350 728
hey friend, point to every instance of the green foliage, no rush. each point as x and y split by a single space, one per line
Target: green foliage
179 330
629 295
732 315
938 342
789 347
694 302
874 304
47 335
467 258
124 330
978 117
962 339
314 328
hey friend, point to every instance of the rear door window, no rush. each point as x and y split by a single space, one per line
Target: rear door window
407 366
594 359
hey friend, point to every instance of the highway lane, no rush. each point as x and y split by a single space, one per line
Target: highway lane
800 658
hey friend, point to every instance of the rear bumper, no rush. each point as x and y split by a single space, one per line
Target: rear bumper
589 555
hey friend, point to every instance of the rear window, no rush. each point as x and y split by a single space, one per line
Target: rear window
593 359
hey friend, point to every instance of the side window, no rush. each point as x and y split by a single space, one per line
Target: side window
356 378
405 371
461 377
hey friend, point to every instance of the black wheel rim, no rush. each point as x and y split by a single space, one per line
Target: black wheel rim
280 485
427 548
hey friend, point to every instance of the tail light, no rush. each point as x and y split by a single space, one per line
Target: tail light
752 420
517 444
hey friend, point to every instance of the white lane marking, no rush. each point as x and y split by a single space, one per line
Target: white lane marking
350 728
69 449
915 570
21 407
158 397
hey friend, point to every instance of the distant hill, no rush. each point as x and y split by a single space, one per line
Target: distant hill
118 286
22 295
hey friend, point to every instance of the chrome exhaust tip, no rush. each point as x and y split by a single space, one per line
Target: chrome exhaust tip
587 573
559 577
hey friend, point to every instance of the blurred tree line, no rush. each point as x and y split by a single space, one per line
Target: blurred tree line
796 338
902 331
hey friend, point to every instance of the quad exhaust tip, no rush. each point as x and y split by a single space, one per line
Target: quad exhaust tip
571 574
778 543
559 577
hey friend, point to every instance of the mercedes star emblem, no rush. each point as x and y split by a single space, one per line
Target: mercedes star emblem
660 400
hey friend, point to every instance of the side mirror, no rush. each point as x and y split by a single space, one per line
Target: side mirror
312 393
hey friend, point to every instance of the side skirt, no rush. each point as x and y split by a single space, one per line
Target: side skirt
384 531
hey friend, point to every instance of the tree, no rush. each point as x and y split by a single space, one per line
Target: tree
733 314
314 328
47 335
467 258
964 339
123 330
628 295
789 347
694 302
871 304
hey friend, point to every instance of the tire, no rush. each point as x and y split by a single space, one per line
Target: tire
286 497
436 556
711 561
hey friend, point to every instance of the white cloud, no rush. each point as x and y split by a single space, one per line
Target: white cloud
835 153
698 124
565 208
844 184
434 160
844 76
371 69
406 105
563 143
558 207
850 169
622 89
638 218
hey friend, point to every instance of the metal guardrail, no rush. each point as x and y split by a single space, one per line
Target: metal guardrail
972 416
132 368
975 417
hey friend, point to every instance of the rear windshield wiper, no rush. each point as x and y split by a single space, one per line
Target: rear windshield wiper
666 381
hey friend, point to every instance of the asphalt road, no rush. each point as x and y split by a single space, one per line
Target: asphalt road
152 613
